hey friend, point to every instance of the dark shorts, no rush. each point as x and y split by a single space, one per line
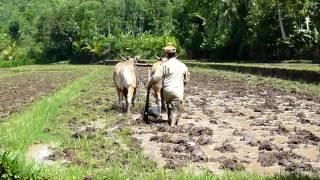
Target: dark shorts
174 108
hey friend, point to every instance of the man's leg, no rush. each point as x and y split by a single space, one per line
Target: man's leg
179 110
174 112
169 109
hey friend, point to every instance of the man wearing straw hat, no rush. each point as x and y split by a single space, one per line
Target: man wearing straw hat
175 75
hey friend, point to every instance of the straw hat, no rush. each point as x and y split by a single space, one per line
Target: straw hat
169 48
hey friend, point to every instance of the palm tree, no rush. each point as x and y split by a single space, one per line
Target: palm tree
283 33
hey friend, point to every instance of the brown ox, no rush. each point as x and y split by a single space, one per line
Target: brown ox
125 79
157 88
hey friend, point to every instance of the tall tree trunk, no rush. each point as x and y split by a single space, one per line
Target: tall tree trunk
280 20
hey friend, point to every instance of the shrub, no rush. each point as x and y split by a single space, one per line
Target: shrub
11 167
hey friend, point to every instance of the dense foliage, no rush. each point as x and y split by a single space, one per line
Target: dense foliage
11 167
250 29
85 31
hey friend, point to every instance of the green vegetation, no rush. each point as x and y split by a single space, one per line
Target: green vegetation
255 29
85 31
12 166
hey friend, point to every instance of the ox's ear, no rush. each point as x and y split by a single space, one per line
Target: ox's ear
136 59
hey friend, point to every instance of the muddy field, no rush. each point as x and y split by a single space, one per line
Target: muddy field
225 125
231 125
19 90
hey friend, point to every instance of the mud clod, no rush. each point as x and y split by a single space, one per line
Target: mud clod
238 132
260 122
304 137
174 164
298 167
198 155
204 140
199 131
267 159
180 140
229 110
161 139
232 165
280 130
304 121
283 158
268 146
253 142
77 135
225 148
67 154
180 148
301 115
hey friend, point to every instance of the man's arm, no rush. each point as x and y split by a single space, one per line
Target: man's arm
186 77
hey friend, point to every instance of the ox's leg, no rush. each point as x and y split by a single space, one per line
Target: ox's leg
158 100
129 98
134 96
125 100
120 99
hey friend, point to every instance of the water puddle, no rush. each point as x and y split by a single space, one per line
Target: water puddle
39 153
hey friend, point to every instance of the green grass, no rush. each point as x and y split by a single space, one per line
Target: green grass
7 72
14 166
23 129
15 63
285 85
58 67
91 98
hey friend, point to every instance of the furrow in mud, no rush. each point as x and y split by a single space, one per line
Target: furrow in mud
233 125
19 90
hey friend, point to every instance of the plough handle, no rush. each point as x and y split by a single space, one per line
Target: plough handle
146 109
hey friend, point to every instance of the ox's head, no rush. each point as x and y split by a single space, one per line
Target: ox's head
128 58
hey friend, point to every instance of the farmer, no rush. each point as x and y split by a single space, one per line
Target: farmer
174 75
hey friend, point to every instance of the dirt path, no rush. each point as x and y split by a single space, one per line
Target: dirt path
229 124
19 90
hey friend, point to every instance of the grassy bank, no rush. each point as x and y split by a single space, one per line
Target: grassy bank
305 73
292 66
23 129
15 63
281 84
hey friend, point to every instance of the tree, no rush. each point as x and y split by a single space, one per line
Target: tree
14 30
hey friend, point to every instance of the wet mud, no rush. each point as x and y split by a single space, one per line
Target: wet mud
16 92
236 126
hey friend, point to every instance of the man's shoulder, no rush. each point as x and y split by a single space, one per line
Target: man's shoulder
175 61
182 65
